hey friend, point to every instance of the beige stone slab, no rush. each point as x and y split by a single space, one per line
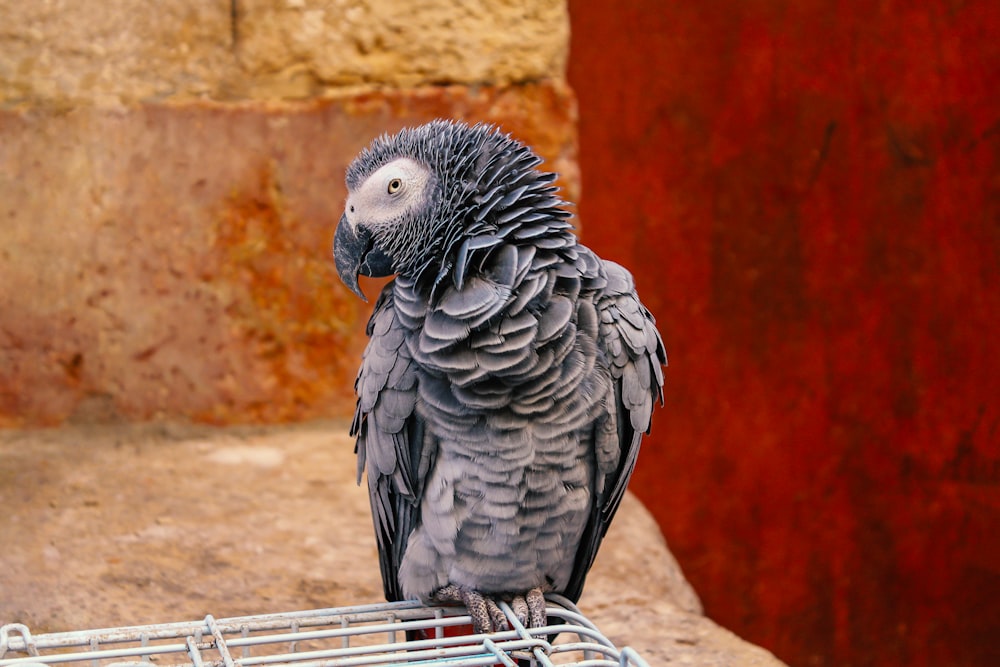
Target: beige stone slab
70 52
67 53
393 43
174 260
130 525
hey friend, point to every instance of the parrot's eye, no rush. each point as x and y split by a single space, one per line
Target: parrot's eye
395 185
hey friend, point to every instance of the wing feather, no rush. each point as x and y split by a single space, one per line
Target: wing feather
390 438
633 353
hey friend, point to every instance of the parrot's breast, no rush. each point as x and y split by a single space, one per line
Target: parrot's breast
509 385
502 511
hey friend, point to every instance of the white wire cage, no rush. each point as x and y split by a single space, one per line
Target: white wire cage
357 636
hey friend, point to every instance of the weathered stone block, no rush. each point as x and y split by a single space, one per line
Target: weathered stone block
66 52
407 44
173 261
69 52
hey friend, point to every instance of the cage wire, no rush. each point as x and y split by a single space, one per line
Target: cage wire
356 636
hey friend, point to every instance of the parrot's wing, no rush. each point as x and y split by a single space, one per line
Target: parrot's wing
634 351
390 438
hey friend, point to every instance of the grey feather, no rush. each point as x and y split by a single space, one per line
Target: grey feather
554 319
509 376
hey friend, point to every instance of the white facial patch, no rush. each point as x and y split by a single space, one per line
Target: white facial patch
392 191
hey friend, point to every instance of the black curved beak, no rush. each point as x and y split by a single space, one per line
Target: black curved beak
354 254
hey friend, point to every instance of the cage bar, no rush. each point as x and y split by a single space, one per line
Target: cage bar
357 636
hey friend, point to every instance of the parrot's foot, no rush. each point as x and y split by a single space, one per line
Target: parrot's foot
487 617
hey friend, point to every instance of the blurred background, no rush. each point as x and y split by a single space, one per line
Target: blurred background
807 192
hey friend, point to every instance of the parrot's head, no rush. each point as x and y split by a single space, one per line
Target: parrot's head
415 197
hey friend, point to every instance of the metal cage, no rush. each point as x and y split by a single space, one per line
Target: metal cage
338 637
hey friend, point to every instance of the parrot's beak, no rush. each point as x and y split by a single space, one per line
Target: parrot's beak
354 254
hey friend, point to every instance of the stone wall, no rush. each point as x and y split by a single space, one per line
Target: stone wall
82 52
171 173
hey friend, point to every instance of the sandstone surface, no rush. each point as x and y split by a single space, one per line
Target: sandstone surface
127 525
67 53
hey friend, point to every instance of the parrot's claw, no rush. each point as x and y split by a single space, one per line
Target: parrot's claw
520 607
487 617
536 608
530 608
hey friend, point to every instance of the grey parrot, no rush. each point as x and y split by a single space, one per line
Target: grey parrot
508 379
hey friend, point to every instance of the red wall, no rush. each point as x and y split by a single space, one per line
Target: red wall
809 195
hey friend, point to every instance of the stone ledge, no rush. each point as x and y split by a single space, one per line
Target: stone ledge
172 261
131 525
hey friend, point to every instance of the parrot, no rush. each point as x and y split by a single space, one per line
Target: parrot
508 379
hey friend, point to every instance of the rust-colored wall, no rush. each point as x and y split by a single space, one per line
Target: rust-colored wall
815 193
172 261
